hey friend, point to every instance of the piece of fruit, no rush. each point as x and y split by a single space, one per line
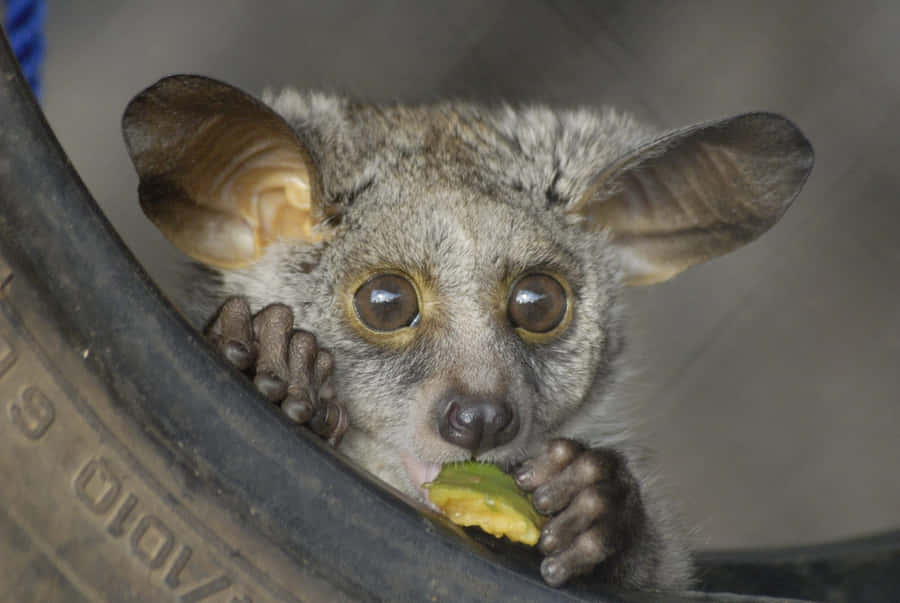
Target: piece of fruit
479 494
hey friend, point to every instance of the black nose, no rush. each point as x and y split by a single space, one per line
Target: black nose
477 423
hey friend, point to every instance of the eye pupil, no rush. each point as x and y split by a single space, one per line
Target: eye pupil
537 303
386 302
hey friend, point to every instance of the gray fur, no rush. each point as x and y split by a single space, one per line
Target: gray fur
469 195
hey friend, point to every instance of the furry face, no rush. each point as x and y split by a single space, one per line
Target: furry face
473 251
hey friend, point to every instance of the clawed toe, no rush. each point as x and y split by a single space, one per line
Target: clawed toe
331 422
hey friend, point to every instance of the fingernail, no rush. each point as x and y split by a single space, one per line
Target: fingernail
296 409
237 354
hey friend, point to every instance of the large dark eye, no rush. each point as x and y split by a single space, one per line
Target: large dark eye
537 303
386 302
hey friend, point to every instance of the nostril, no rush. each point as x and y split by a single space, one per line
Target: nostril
500 425
461 424
461 419
507 429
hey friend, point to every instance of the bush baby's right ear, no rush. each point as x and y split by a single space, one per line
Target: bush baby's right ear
221 174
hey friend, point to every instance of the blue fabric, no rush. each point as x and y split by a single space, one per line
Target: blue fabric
24 23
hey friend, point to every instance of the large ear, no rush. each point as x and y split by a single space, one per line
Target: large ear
221 174
697 193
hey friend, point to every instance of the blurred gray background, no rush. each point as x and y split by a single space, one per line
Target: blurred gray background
771 376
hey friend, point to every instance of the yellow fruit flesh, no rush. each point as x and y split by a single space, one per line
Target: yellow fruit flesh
478 494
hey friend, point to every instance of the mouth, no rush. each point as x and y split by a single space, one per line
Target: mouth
419 473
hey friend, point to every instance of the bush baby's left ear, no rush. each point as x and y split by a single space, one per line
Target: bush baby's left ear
697 193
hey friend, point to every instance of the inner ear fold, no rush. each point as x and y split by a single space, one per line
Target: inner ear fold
697 193
221 174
